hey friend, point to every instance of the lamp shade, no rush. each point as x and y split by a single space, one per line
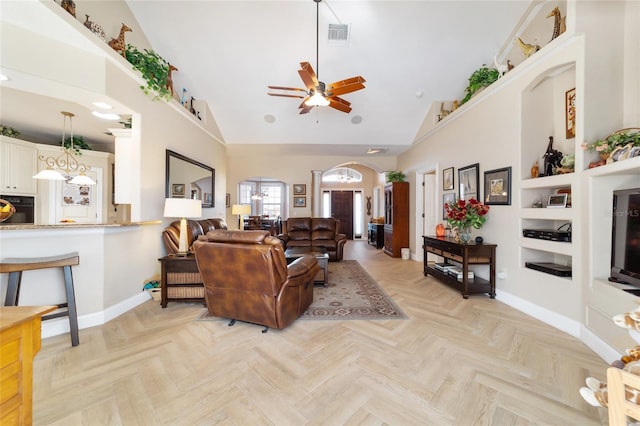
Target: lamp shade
82 180
182 207
49 174
241 209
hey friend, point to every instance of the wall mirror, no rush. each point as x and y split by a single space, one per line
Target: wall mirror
188 178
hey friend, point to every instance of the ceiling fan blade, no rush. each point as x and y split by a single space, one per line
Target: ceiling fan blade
339 104
308 76
345 86
286 88
335 91
356 79
304 108
284 95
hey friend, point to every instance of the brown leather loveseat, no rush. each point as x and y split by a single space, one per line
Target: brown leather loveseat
195 228
246 278
314 232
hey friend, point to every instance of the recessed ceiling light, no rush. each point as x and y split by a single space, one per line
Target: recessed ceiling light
419 94
356 119
3 77
102 105
269 118
376 150
106 115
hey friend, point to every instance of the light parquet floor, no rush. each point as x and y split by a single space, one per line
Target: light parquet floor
453 362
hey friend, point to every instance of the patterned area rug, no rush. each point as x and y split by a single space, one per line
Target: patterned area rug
350 294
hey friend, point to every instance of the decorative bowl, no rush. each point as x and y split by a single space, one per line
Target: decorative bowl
6 210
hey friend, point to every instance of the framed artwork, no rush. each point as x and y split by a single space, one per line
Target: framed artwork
207 199
447 198
447 179
468 180
177 190
570 112
299 201
497 187
299 189
227 201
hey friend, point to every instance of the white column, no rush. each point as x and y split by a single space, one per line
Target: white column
124 164
316 197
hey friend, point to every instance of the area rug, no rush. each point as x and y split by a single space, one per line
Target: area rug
351 294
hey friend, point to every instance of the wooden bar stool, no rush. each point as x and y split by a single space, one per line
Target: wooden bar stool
15 267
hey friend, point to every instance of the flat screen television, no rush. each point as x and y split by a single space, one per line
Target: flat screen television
625 243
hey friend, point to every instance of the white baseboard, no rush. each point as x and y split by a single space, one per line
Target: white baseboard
569 326
552 318
59 326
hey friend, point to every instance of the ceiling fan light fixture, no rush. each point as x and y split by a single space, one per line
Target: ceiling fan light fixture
317 99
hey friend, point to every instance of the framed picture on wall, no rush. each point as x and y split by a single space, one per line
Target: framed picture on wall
299 189
468 180
227 201
447 179
299 201
570 106
497 187
177 190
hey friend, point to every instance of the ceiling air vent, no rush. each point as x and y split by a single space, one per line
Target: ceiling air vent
339 34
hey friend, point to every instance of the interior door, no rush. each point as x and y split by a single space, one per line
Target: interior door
342 209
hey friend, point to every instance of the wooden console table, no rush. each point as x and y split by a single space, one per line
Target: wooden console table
464 255
181 280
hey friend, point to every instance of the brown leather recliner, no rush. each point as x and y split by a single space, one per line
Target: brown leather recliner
314 232
246 278
195 228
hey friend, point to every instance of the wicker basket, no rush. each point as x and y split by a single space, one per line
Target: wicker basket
4 215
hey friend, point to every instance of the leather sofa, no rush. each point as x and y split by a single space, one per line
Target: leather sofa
195 228
246 278
314 232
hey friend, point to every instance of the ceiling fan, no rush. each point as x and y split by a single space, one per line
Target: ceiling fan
316 92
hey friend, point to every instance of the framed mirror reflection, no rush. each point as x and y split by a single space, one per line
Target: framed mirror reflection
188 178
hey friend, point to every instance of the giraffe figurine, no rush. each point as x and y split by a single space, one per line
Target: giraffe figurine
169 83
527 49
118 44
559 24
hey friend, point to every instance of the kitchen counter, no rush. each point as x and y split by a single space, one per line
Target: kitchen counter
22 226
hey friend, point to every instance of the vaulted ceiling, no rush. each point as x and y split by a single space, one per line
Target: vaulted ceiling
411 54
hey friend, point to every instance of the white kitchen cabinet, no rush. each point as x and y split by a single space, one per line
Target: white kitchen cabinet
18 165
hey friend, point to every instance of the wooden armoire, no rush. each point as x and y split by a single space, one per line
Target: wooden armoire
396 218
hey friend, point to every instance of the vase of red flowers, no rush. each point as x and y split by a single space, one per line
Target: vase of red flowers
463 215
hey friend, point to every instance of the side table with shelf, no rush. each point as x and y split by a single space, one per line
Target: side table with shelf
180 280
376 235
465 255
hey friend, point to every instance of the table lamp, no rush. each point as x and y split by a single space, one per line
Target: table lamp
241 210
182 208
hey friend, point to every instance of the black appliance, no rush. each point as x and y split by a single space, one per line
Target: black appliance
25 208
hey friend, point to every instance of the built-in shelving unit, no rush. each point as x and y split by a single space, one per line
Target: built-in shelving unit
542 113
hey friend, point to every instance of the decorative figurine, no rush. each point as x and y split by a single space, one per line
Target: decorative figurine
169 83
559 24
69 6
535 171
95 28
118 44
552 158
527 49
502 68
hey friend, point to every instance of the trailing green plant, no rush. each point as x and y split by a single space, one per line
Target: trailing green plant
395 176
9 131
480 78
154 69
78 144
